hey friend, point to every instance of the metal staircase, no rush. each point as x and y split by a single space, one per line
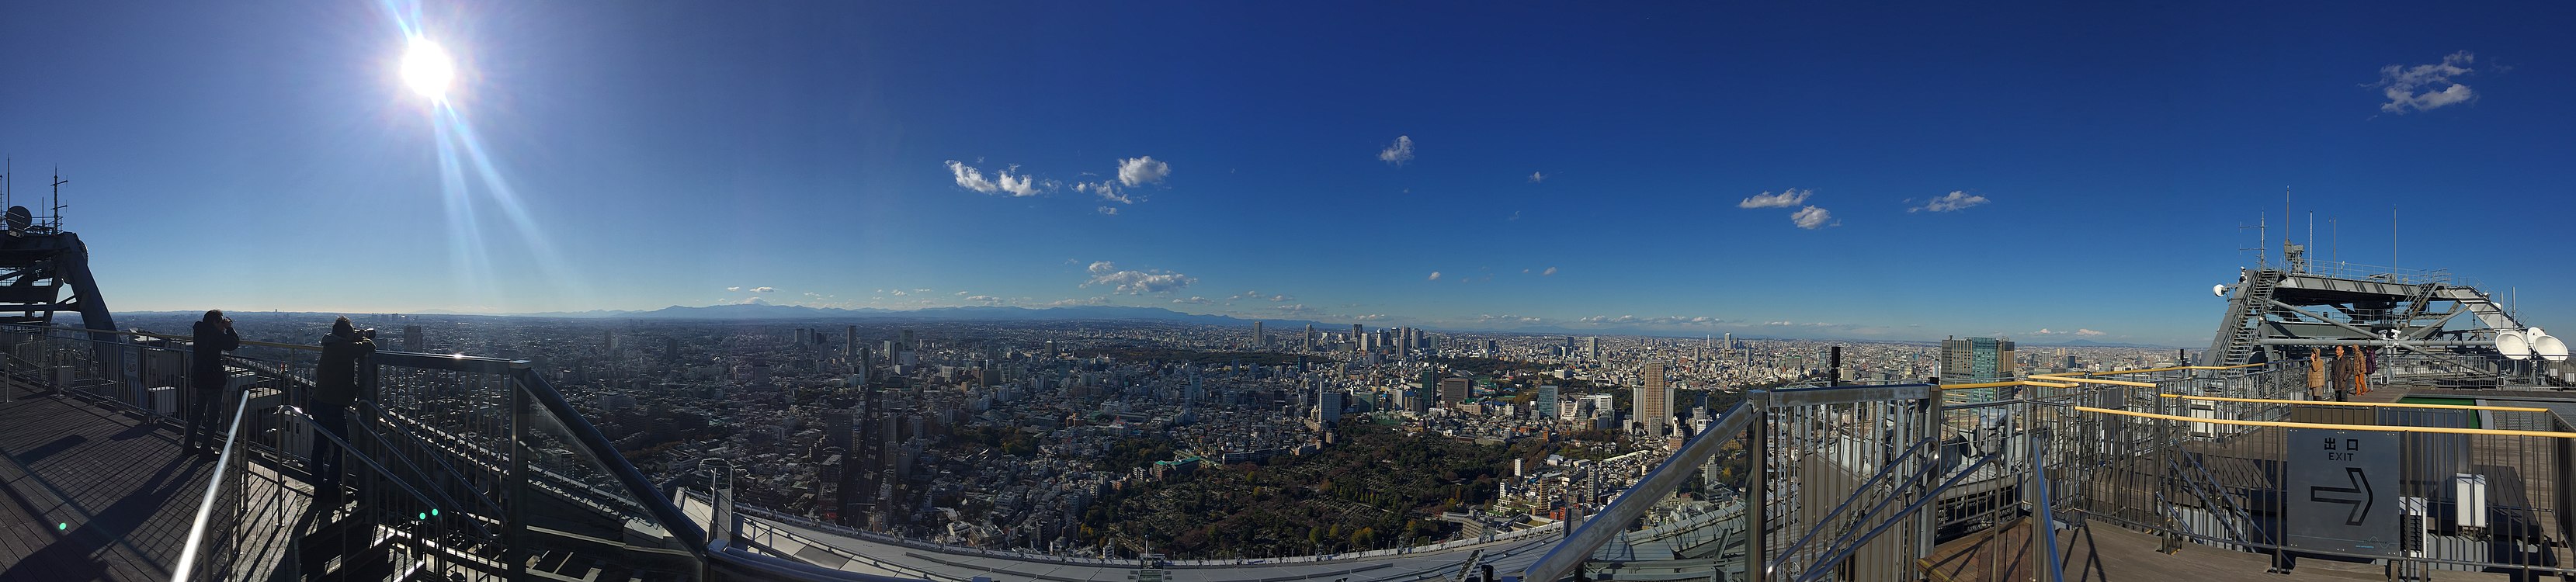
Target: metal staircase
2242 327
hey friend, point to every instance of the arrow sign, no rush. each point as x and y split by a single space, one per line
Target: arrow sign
2358 495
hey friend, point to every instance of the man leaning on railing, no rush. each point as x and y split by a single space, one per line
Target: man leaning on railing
214 336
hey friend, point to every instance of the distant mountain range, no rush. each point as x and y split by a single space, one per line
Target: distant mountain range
765 311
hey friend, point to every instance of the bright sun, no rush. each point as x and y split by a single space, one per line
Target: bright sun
427 69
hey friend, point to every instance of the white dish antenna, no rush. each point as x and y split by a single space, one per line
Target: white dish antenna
2533 334
2513 345
2549 347
2219 290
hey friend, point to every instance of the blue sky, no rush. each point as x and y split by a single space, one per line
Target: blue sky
638 155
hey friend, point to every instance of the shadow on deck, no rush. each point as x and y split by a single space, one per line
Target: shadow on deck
91 491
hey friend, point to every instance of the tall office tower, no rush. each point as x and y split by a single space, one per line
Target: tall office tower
1592 347
671 347
1424 391
1654 400
837 426
1259 340
1976 359
1453 391
909 342
608 338
1328 406
1730 342
411 339
804 336
1309 344
1544 406
850 341
1355 338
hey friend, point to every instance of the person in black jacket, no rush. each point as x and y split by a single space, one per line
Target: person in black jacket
214 336
335 387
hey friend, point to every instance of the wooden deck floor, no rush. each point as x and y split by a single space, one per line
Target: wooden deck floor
2105 553
94 492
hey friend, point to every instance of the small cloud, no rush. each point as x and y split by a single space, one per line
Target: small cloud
1954 201
1141 170
2399 84
1292 308
1369 317
1784 199
1194 300
1550 272
1435 275
763 289
1536 177
921 290
897 293
2087 333
964 293
733 289
1108 210
1105 190
1280 298
1516 215
1136 282
984 299
1399 152
1075 302
1812 218
1003 182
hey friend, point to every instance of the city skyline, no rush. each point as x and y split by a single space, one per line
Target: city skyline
1666 170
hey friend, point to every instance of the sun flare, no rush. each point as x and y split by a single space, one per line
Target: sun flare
427 69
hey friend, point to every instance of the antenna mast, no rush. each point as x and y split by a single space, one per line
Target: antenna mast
58 197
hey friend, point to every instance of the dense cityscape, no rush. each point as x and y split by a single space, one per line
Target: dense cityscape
1124 438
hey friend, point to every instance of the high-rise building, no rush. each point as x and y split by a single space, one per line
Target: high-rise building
1976 359
1309 341
1592 347
1653 401
1544 406
1328 406
850 341
1424 392
412 340
1258 339
1355 338
1454 391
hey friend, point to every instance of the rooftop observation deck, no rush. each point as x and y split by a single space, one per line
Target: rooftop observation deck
473 468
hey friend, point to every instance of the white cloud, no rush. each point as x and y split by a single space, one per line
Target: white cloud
732 289
897 293
1784 199
1003 182
1369 317
965 293
1435 275
1106 191
1293 308
1399 152
1136 282
1195 300
2399 84
1812 218
1108 210
1141 170
1665 321
1517 319
1536 177
1955 200
1075 302
763 289
985 299
2087 332
1550 272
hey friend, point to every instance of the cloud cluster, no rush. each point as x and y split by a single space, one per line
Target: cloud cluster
1435 275
1668 320
1136 282
1550 272
1399 152
1508 318
1003 182
1954 201
763 289
2079 332
1195 300
2400 84
1536 177
1784 199
1812 218
1140 170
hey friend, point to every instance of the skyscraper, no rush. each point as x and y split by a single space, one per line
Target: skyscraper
1976 359
1544 406
1653 401
1453 391
412 340
1309 340
1259 340
850 341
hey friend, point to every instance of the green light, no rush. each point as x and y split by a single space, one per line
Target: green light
423 516
62 526
433 511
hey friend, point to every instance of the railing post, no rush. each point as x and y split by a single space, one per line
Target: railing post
517 552
1757 484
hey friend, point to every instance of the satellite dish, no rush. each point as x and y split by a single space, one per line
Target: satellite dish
2219 290
2513 345
2549 347
2533 333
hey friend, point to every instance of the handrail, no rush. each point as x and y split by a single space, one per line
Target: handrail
1570 553
2381 427
2368 404
214 489
662 508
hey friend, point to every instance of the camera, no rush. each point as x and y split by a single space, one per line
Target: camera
369 333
